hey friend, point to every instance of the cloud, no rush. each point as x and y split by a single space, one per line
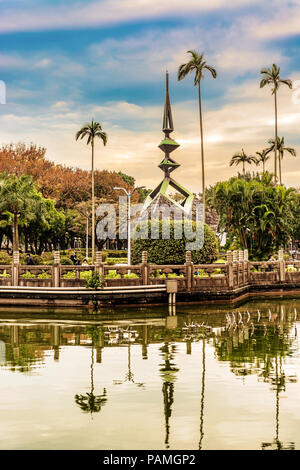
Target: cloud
283 23
134 133
96 13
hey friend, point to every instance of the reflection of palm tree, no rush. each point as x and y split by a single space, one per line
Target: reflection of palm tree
279 382
202 396
89 402
168 373
129 374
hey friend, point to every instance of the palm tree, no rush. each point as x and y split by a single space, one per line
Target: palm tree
92 131
271 77
281 149
241 157
198 65
17 198
263 157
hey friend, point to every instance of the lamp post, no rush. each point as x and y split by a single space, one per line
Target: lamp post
129 194
87 237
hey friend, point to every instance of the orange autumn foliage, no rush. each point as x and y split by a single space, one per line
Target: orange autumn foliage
67 185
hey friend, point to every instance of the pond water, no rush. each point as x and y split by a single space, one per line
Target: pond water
141 379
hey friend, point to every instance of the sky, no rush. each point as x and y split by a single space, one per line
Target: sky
66 62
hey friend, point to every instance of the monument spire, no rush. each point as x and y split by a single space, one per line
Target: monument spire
168 126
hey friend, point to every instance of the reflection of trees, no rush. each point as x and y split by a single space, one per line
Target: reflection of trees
249 354
168 374
262 354
89 402
278 382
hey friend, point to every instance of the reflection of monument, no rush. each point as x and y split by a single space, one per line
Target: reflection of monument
168 374
168 165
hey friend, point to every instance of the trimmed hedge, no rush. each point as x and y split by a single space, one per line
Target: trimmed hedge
173 251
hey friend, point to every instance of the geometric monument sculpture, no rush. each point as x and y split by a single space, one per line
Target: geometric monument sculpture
168 165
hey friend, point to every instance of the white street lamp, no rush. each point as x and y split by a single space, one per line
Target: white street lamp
129 193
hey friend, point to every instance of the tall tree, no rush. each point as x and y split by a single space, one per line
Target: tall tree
263 157
242 157
281 149
198 65
17 196
271 77
92 131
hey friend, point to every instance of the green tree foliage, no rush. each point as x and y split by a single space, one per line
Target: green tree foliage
172 250
281 150
17 201
241 157
258 214
127 178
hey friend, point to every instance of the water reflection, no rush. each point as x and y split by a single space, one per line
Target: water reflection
89 402
252 343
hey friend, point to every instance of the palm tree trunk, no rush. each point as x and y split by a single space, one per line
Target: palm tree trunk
279 163
275 150
202 151
15 233
93 205
263 166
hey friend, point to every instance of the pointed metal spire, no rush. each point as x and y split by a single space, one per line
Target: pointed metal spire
167 120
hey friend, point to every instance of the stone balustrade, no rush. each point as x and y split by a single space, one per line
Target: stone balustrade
237 273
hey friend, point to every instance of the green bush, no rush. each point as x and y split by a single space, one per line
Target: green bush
173 251
112 274
86 274
65 260
28 275
131 276
5 274
94 280
112 261
114 254
44 275
291 269
5 258
201 273
69 275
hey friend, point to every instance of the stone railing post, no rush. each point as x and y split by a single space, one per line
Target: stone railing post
246 264
229 271
99 266
234 256
56 270
281 266
280 255
145 268
15 268
189 270
229 256
241 263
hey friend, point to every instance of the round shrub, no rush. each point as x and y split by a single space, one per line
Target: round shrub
172 250
66 260
5 258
